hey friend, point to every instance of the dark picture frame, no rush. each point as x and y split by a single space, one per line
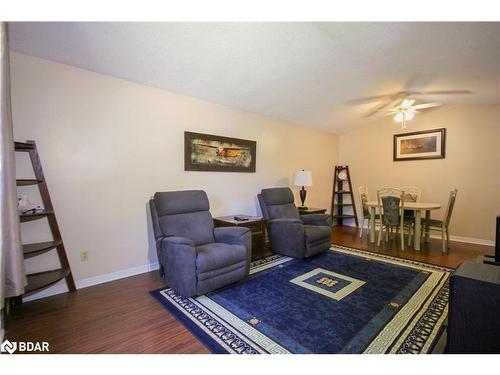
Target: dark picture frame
422 145
215 153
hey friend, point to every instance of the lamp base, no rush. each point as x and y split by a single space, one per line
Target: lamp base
302 208
303 194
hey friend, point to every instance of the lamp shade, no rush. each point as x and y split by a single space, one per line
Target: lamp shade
303 178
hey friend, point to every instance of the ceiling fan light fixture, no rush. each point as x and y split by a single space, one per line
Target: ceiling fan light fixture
403 116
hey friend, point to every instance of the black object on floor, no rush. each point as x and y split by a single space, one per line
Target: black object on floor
474 310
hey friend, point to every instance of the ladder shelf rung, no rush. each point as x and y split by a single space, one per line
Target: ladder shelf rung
27 181
34 216
40 280
34 249
23 146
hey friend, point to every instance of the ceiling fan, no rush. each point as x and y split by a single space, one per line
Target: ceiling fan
401 105
406 110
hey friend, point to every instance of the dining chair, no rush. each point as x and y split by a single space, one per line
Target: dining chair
391 207
442 225
412 193
363 196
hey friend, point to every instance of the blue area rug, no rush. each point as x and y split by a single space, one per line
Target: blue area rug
342 301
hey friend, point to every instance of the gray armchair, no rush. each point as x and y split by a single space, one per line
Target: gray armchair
194 257
290 233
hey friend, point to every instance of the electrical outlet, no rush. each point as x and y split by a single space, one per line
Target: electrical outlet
84 256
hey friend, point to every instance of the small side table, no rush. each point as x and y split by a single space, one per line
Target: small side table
311 210
256 225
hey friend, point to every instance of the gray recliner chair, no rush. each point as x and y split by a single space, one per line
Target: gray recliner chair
194 257
290 233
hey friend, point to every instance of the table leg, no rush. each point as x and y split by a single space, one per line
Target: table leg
427 216
372 224
416 240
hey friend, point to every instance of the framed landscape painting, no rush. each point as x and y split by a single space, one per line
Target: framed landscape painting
427 144
214 153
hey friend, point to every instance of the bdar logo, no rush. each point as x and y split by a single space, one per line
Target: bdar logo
9 347
24 346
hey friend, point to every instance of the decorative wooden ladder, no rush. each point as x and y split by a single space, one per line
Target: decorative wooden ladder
339 204
41 280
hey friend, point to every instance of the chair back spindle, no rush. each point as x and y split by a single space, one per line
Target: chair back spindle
363 196
449 209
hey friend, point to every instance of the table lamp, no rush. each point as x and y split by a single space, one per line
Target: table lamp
303 178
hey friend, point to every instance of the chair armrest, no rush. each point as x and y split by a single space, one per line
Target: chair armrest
317 219
231 235
236 236
286 235
180 264
163 242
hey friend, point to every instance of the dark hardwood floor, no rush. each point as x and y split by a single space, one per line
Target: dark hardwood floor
121 316
115 317
429 253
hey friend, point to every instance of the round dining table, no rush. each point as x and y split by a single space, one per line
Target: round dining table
417 207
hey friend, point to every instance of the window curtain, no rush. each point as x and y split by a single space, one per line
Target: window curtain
12 274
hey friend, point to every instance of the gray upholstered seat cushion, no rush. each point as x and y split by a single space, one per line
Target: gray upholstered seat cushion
218 255
315 233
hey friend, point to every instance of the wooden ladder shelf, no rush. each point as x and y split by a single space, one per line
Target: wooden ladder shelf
342 187
41 280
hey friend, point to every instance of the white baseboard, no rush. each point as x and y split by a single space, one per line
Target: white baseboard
90 281
477 241
84 283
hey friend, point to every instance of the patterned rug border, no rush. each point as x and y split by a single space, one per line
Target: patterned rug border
412 343
393 257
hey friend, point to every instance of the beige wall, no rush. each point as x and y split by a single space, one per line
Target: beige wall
472 164
108 144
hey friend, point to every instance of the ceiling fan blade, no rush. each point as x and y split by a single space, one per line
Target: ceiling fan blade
442 92
393 99
367 99
427 105
390 114
386 103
